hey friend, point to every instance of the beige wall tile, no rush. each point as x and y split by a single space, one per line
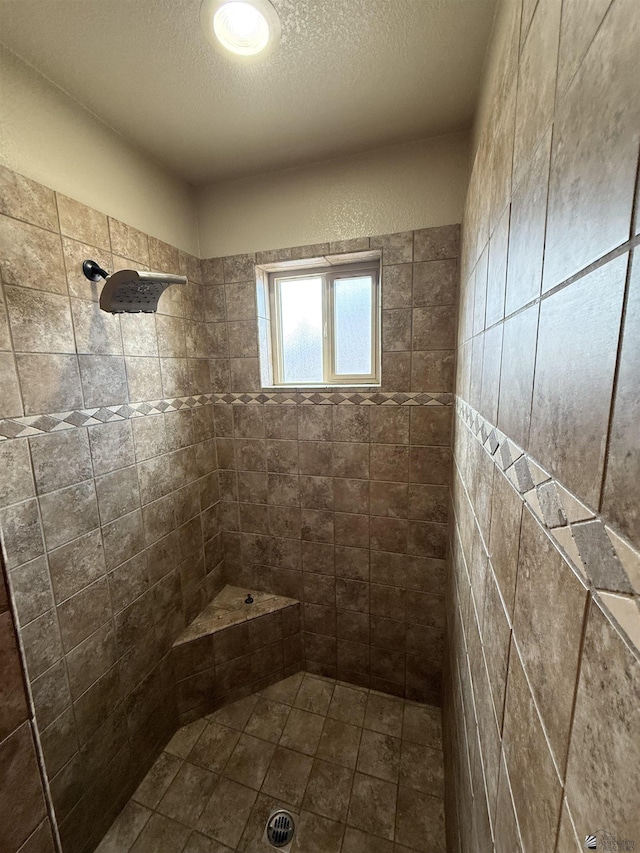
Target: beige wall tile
60 459
31 257
49 383
431 244
516 374
608 668
28 200
577 342
527 230
536 84
621 500
596 121
548 621
10 399
104 381
39 322
537 807
82 223
128 242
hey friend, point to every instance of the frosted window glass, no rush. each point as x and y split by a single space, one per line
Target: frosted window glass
301 313
352 325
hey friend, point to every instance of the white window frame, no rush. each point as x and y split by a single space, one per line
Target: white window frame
329 275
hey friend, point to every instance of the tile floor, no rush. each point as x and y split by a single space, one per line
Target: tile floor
362 771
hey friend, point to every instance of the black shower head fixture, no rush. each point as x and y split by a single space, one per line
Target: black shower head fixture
130 291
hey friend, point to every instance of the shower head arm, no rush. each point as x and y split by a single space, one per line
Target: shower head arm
93 271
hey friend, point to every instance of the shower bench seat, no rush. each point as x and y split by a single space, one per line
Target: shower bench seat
233 648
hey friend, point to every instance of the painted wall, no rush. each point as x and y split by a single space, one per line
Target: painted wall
417 185
542 602
51 138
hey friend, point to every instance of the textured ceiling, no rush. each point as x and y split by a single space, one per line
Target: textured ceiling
349 76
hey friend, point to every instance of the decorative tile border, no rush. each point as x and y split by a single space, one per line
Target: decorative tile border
57 421
42 424
337 398
603 558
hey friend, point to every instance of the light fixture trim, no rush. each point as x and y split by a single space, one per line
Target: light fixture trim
248 35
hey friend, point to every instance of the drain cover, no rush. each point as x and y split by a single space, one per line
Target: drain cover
280 828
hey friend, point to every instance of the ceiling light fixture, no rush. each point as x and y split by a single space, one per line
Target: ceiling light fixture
246 28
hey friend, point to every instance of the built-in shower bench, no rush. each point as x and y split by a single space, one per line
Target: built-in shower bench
233 648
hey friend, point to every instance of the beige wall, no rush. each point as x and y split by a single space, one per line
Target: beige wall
542 618
49 137
417 185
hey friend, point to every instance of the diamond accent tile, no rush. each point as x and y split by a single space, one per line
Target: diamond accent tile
599 558
103 415
10 429
522 474
552 511
629 558
44 423
78 419
492 441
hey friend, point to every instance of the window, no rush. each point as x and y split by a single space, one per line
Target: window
324 325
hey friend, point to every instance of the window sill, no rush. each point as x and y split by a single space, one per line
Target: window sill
273 388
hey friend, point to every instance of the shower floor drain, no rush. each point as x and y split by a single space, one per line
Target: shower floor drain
280 829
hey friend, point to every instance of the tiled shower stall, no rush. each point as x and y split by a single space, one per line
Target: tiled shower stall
145 469
458 543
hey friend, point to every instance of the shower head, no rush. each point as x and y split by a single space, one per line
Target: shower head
130 291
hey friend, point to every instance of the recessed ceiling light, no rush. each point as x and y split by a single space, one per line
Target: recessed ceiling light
246 28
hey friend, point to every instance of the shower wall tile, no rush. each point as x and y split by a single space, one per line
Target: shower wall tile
39 322
21 793
128 242
322 491
516 374
601 729
534 537
10 400
60 459
597 117
74 254
163 257
101 589
575 364
27 200
96 332
49 383
31 257
527 230
82 223
621 496
536 84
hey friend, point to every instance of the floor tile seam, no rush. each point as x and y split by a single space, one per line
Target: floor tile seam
182 761
148 817
188 826
276 742
263 740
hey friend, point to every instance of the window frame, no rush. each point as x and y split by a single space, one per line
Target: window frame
329 275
